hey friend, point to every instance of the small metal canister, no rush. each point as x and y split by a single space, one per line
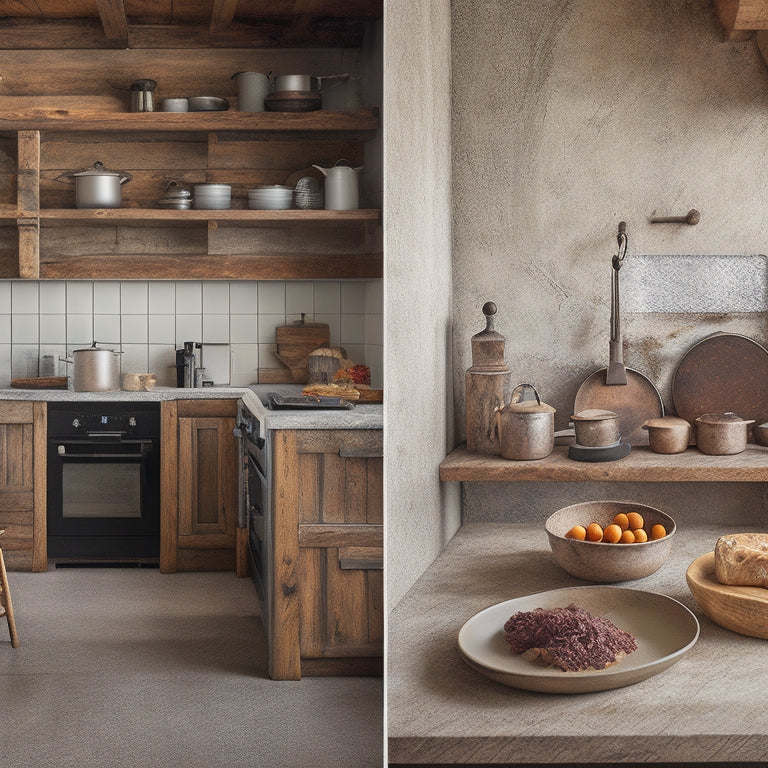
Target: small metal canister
526 427
142 96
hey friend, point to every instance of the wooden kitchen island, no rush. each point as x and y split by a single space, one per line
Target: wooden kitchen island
709 707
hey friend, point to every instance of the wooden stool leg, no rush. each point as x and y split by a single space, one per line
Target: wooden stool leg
5 598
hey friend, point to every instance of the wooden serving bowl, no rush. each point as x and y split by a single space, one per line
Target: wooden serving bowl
740 609
603 562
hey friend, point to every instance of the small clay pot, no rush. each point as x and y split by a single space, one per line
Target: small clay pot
669 434
722 434
596 428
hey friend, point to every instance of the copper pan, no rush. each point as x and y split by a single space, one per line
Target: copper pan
616 388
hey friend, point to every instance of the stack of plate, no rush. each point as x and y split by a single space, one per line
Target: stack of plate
270 198
175 198
213 197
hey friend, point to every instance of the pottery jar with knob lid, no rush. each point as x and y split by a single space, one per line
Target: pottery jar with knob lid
487 386
526 427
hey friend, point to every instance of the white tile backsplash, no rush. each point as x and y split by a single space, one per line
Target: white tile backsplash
189 298
215 298
106 298
149 320
53 297
327 297
162 298
80 297
25 329
299 297
272 297
134 298
25 298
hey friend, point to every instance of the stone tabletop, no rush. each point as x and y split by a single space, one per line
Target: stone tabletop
708 707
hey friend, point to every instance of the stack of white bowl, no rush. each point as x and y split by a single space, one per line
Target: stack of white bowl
212 197
273 197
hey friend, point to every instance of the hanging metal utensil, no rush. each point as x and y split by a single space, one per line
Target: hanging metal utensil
632 395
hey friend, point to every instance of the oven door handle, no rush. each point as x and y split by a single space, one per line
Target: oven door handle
97 456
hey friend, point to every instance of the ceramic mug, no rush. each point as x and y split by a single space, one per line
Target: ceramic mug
252 89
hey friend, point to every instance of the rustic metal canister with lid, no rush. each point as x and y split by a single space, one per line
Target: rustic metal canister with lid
487 386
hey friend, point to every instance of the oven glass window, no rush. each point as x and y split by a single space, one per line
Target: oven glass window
102 490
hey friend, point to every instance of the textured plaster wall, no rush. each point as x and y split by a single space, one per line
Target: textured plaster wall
568 117
422 513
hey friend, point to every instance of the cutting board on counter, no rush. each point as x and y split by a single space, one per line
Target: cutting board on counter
296 341
40 382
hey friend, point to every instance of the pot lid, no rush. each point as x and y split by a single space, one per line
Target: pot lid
594 414
94 348
97 169
666 422
527 406
721 418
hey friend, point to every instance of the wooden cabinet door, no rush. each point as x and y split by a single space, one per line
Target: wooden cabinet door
22 484
201 467
332 508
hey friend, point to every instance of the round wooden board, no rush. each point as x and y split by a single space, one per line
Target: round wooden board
740 609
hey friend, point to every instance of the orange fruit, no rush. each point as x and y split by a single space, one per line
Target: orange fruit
640 536
612 533
627 537
658 532
622 521
594 532
635 520
577 532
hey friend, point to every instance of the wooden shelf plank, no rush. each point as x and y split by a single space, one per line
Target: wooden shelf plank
213 266
164 217
642 465
361 121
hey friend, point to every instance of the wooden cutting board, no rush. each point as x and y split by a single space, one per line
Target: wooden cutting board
296 341
40 382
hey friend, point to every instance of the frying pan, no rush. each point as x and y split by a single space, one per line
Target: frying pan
616 388
722 372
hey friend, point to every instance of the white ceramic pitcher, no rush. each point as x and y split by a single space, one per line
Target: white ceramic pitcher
342 190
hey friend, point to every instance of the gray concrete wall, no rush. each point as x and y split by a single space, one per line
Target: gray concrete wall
422 513
568 117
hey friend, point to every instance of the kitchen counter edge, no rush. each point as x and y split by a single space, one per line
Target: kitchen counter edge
365 416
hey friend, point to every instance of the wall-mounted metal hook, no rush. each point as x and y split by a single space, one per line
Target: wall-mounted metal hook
692 217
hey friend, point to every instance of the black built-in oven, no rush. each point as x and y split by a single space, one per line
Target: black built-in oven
104 480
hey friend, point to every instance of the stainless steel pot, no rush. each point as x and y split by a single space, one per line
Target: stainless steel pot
96 369
526 428
722 434
98 187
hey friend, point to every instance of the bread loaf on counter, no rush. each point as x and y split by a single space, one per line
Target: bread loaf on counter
741 559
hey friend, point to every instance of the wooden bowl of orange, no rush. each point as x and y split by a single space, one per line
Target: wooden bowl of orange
610 541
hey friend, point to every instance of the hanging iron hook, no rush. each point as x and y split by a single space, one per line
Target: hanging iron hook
623 241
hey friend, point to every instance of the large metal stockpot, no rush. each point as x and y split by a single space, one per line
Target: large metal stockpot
96 369
98 187
526 428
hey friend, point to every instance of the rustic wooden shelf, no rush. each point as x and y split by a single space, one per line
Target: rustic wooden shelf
642 465
150 216
360 122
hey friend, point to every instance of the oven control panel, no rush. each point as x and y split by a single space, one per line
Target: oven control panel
101 418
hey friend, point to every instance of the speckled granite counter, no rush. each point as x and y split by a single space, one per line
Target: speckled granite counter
363 416
709 707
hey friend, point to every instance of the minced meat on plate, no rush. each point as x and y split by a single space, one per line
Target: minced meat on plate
569 638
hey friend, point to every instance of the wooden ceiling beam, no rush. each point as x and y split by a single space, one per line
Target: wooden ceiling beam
114 20
222 14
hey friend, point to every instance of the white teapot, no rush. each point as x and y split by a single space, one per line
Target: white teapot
342 191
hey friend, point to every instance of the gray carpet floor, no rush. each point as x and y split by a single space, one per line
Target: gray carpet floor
124 668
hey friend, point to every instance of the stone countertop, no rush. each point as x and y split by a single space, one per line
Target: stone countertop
708 707
364 416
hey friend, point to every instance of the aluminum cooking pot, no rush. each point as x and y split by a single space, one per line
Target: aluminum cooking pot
98 187
96 369
526 428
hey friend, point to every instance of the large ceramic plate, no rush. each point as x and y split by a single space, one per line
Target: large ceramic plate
665 629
